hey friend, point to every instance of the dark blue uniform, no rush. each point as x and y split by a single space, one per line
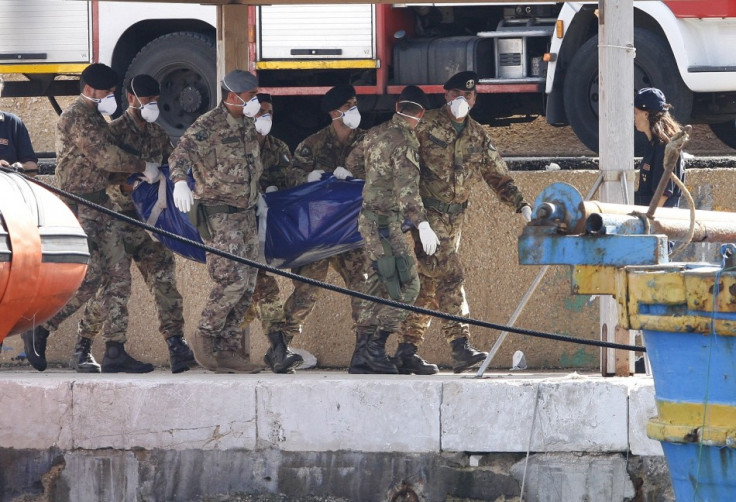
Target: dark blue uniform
15 143
651 171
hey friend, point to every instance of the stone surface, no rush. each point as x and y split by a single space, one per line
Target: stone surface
642 407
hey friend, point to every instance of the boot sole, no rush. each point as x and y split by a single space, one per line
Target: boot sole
473 365
123 370
88 370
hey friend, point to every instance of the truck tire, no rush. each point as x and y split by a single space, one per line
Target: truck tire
726 132
184 63
654 66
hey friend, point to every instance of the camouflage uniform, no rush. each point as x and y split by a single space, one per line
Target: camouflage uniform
390 200
322 150
276 162
154 260
85 156
451 164
223 153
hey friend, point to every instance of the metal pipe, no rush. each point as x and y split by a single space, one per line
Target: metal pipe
674 229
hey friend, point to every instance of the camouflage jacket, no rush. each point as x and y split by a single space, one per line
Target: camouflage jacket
150 143
390 153
86 151
276 161
322 150
451 164
224 157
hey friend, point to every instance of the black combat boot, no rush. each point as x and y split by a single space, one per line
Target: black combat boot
82 360
279 357
408 362
181 356
116 360
465 356
371 357
34 344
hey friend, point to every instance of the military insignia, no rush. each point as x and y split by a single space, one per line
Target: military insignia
470 84
304 151
434 139
201 135
231 139
491 148
646 167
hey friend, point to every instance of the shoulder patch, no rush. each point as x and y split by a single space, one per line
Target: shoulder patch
304 151
201 135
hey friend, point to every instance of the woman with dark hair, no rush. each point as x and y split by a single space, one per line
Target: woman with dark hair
652 117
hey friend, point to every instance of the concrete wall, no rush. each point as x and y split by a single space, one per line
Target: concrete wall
495 285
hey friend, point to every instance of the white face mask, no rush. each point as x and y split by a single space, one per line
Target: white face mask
459 107
250 108
149 111
106 105
263 124
350 118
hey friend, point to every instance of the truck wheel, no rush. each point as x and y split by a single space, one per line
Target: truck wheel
184 63
654 66
726 132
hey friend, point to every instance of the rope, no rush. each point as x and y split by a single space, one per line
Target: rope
691 204
331 287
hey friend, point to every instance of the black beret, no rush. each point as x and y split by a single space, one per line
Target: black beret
143 86
100 76
650 98
336 97
264 97
415 95
465 80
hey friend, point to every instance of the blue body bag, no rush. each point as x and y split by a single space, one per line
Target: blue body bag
311 222
145 199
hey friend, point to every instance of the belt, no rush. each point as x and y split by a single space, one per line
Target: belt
97 197
444 207
223 209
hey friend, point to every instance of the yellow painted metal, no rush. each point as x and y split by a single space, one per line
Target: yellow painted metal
694 422
593 280
61 68
317 64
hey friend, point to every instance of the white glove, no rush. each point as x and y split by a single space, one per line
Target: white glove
428 237
261 205
315 175
526 213
152 172
272 188
183 198
341 173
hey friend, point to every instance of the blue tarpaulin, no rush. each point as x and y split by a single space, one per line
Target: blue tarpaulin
311 222
146 201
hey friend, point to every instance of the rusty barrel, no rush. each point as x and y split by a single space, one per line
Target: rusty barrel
43 254
688 316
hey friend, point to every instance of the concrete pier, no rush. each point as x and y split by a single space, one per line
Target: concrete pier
163 437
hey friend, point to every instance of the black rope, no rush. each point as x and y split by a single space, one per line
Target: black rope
331 287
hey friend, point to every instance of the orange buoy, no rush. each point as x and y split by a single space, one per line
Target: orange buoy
43 254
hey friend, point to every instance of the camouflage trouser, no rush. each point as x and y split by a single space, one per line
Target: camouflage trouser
442 281
376 314
107 260
230 298
266 304
156 264
350 265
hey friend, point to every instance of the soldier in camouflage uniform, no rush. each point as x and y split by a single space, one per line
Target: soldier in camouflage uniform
391 205
222 151
86 154
456 152
325 152
136 132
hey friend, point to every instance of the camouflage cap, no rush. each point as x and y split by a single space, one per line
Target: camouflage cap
464 80
238 81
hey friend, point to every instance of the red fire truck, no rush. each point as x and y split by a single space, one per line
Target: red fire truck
533 59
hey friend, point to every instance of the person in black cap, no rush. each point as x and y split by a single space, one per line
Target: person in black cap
86 155
136 131
652 117
456 153
221 149
325 152
391 205
15 142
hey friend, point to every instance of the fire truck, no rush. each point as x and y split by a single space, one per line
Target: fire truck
533 59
